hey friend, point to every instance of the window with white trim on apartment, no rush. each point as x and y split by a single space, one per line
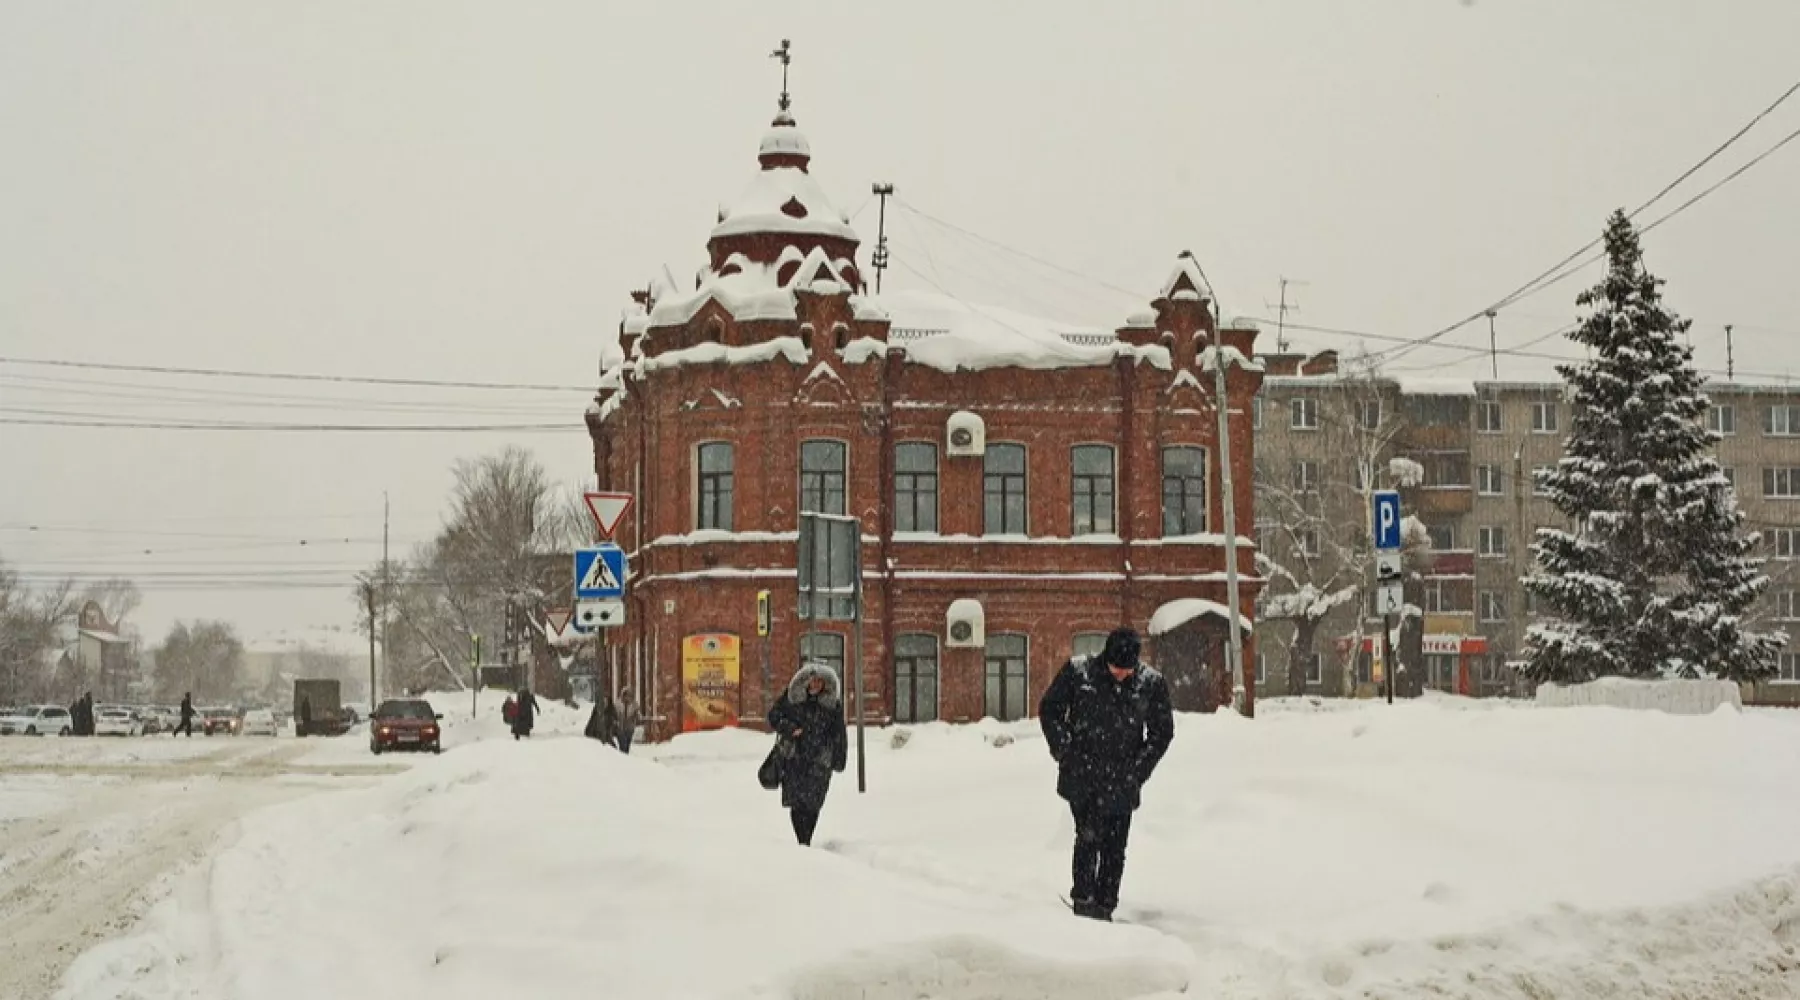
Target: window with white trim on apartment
1781 483
1789 666
1368 414
1487 416
1493 607
1303 413
1306 476
1442 534
1492 539
1722 419
1309 542
1784 543
1315 669
1730 475
1487 480
1781 421
1543 418
1436 599
1787 605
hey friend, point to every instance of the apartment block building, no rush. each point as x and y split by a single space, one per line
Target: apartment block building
1477 446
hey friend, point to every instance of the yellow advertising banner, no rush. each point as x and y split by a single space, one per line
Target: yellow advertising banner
710 665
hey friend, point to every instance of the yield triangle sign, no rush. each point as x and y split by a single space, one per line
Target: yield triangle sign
608 510
557 620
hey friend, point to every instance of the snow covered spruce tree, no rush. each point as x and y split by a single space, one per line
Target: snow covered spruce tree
1657 575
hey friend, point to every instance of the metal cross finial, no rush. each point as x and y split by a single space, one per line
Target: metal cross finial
786 55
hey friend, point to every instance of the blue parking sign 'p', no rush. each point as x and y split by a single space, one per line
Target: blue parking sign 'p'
599 573
1387 520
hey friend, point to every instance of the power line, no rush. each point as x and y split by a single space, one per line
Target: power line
1539 283
308 428
293 376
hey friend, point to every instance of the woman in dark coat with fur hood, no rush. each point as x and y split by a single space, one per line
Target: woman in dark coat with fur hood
809 720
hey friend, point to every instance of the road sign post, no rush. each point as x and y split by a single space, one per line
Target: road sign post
1390 597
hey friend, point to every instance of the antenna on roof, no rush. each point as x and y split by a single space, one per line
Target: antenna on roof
786 55
1282 309
880 257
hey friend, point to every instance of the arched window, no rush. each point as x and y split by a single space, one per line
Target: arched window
824 467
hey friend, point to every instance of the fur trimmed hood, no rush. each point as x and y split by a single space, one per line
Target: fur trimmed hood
831 697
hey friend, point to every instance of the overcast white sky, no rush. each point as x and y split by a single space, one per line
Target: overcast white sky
468 191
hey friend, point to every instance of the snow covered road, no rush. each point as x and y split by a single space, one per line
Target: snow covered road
1441 848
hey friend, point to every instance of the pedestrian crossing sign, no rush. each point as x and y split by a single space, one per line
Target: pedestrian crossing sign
599 573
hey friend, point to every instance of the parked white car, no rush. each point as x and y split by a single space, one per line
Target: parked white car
117 722
38 720
259 722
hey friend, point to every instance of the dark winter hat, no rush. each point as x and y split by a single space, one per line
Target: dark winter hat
1122 648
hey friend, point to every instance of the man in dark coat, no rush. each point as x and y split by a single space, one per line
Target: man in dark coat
628 719
187 716
524 713
603 722
306 716
1108 722
809 719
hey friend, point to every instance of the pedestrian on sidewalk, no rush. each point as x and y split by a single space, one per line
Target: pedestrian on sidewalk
603 722
187 716
524 713
1107 721
809 717
628 720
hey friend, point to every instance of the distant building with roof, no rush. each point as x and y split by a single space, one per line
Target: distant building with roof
1023 486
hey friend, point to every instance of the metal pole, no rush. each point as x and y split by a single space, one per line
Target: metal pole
1387 655
1234 653
474 676
369 592
862 758
386 585
1493 354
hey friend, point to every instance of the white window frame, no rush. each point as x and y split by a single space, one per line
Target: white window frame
1487 481
1303 413
1787 605
1491 605
1784 543
1781 482
1491 541
1787 667
1722 420
1788 424
1304 476
1544 417
1315 669
1537 489
1364 409
1307 540
1484 407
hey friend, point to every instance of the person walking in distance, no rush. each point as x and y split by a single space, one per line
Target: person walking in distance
809 717
524 713
628 719
1108 722
603 722
187 716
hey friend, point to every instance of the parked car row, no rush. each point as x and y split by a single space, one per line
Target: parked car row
141 720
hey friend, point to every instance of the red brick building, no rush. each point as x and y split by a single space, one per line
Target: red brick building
1023 486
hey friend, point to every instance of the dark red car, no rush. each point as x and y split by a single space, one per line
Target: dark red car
405 724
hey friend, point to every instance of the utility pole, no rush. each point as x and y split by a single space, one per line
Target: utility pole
1234 650
880 259
369 594
1493 353
1730 364
386 586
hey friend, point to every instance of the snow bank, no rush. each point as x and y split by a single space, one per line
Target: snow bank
1679 697
1442 847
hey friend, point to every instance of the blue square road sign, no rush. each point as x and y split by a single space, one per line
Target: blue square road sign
599 573
1387 520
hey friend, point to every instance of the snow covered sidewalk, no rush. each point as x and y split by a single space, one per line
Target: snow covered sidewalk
1430 849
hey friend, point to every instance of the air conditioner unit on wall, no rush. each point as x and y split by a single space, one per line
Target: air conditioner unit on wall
965 625
965 435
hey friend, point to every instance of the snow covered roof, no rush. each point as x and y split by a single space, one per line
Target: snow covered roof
949 334
1177 613
1186 266
783 199
747 290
